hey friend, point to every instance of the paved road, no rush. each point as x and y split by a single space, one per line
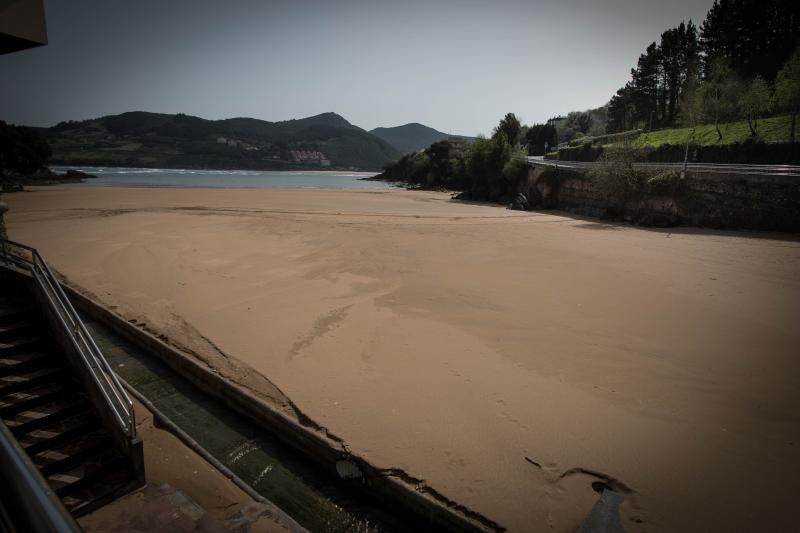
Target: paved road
705 168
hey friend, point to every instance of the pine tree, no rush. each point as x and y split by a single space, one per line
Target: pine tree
678 56
645 85
620 110
755 37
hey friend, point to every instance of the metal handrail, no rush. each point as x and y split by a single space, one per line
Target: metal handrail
103 375
27 503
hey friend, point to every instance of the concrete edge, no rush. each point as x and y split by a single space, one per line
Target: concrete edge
397 489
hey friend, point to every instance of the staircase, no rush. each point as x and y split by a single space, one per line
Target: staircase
49 413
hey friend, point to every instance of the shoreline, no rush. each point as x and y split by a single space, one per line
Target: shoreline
212 188
224 179
203 169
565 213
44 177
221 171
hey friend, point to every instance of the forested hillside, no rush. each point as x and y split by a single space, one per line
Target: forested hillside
726 69
163 140
741 64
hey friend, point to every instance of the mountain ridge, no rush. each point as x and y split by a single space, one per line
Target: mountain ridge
143 138
413 136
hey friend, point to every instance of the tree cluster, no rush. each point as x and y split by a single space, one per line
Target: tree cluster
722 96
541 138
650 98
739 50
22 150
489 168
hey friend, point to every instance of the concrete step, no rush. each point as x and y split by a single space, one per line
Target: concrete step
22 362
46 416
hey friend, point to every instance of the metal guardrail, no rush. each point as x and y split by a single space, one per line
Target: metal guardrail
29 259
711 168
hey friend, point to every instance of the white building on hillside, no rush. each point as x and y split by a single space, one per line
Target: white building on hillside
310 157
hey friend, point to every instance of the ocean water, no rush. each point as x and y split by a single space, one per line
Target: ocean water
160 177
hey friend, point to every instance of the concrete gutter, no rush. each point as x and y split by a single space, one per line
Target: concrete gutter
165 422
398 490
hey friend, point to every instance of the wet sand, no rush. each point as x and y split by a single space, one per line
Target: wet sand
509 359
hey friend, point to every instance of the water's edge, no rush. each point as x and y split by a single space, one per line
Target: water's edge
223 179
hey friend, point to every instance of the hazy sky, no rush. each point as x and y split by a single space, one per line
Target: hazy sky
455 65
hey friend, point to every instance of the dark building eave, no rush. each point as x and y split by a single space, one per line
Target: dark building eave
10 43
22 25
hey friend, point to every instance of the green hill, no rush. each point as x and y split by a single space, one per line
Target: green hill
770 130
411 137
140 138
770 147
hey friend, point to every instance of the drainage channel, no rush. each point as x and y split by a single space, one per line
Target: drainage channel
315 499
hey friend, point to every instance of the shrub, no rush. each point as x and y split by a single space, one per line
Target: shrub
22 149
485 163
515 171
749 151
667 183
616 179
582 152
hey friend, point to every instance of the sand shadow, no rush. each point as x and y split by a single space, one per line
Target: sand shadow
610 225
588 222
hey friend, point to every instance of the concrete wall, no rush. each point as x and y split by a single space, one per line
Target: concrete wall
710 200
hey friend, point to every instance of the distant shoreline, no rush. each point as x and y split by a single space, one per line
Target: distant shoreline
143 177
339 172
304 170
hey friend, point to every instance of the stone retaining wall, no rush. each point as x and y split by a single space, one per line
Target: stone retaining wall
712 200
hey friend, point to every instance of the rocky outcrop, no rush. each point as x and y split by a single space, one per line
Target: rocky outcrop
11 181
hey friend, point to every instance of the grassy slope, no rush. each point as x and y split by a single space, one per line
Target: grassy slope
771 130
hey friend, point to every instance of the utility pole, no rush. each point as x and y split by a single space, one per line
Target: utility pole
558 155
686 154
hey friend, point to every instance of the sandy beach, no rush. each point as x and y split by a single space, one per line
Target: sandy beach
510 359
